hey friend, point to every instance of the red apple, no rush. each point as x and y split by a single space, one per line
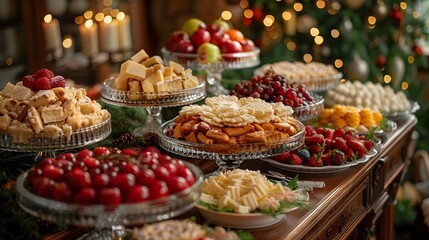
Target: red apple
231 46
214 28
184 47
200 36
247 45
219 38
175 37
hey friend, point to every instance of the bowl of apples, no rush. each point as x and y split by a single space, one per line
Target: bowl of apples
213 48
109 189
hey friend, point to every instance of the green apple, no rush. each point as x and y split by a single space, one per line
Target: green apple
191 25
208 53
222 24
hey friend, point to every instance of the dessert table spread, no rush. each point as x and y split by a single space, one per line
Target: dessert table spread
354 203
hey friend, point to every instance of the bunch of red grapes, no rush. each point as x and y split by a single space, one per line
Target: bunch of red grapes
272 87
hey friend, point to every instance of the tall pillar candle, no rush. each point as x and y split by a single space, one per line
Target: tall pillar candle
124 31
289 17
51 29
109 40
89 38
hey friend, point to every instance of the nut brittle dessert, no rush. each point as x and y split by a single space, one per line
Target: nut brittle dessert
42 106
228 121
142 74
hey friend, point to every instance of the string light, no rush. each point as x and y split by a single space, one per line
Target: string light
286 15
47 18
410 59
88 14
387 78
372 20
307 57
107 19
99 17
320 4
226 15
67 42
338 63
248 13
291 45
416 14
403 5
318 40
78 20
268 20
9 61
335 33
298 7
107 2
114 12
244 4
404 86
314 31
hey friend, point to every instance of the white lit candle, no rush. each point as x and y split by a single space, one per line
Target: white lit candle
109 41
51 28
89 38
124 31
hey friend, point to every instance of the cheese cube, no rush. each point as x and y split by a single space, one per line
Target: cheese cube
140 56
152 61
129 69
156 77
169 86
147 86
177 68
5 121
190 82
135 88
168 71
42 98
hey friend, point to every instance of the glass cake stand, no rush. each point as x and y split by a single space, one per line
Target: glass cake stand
227 156
109 221
46 146
153 102
306 113
214 70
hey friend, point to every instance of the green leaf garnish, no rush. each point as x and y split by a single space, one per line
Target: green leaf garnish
213 207
293 183
243 235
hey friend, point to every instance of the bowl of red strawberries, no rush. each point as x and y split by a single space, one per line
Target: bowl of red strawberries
105 187
327 150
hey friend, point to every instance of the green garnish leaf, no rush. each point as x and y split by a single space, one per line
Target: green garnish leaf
213 207
243 235
293 183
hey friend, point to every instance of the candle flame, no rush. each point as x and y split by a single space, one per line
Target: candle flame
120 16
88 14
68 42
88 23
99 16
107 19
47 18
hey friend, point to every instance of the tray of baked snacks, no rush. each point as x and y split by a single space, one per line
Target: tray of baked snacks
109 189
40 113
327 150
229 130
317 77
273 87
392 104
255 202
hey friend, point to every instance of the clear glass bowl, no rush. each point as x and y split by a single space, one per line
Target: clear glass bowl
228 156
310 111
214 70
79 138
153 102
399 115
105 219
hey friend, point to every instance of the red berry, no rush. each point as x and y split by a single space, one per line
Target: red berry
123 181
130 152
340 144
338 157
183 171
127 167
58 81
53 172
100 180
78 178
339 132
146 177
43 186
314 161
85 196
158 189
44 73
62 192
84 153
314 139
282 157
99 151
162 173
326 159
137 194
28 81
42 83
369 144
177 184
294 159
91 162
170 167
109 196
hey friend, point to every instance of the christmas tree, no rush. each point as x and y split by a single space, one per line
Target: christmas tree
367 40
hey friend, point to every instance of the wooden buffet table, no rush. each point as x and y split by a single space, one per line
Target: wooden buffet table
354 204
